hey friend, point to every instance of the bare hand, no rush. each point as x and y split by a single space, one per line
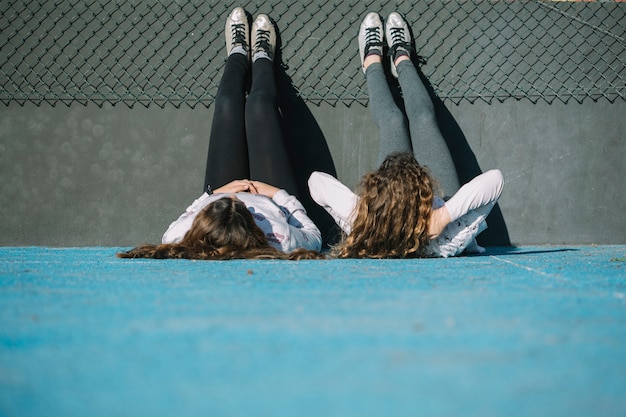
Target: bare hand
238 186
265 189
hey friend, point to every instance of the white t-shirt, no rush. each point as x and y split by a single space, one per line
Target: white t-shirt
468 209
282 218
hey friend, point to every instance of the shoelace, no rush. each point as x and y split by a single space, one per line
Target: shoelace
239 34
262 41
398 40
372 39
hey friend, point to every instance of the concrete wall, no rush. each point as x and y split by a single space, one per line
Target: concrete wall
74 176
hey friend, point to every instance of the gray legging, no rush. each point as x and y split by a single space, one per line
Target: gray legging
422 136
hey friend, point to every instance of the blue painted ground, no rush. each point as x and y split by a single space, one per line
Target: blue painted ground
533 331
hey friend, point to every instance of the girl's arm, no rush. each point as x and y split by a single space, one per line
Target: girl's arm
483 190
336 198
304 233
454 226
177 229
237 186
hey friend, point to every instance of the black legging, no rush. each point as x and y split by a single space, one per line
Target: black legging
246 137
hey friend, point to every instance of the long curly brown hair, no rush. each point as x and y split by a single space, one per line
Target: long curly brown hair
224 229
393 213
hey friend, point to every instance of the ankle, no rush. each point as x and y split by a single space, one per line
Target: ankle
371 59
261 55
401 57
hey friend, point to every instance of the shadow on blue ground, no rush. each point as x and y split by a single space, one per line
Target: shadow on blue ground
499 251
517 332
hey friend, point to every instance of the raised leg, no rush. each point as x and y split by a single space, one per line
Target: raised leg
429 146
227 158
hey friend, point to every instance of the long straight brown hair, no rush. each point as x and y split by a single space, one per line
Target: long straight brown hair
224 229
393 212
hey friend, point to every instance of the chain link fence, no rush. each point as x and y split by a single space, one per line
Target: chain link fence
171 52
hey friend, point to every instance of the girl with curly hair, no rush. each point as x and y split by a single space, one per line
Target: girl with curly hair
397 211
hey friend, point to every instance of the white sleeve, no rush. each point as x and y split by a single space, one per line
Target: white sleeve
337 199
179 227
303 232
483 191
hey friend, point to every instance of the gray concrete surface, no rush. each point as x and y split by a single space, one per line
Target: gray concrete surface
83 176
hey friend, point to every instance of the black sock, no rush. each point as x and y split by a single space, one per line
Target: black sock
373 51
399 53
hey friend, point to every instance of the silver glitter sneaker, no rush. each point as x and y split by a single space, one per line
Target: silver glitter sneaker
263 38
237 32
398 38
370 36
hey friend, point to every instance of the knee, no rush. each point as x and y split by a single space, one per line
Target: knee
261 99
259 104
229 104
394 120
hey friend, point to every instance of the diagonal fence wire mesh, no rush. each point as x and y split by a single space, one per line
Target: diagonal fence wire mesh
171 52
